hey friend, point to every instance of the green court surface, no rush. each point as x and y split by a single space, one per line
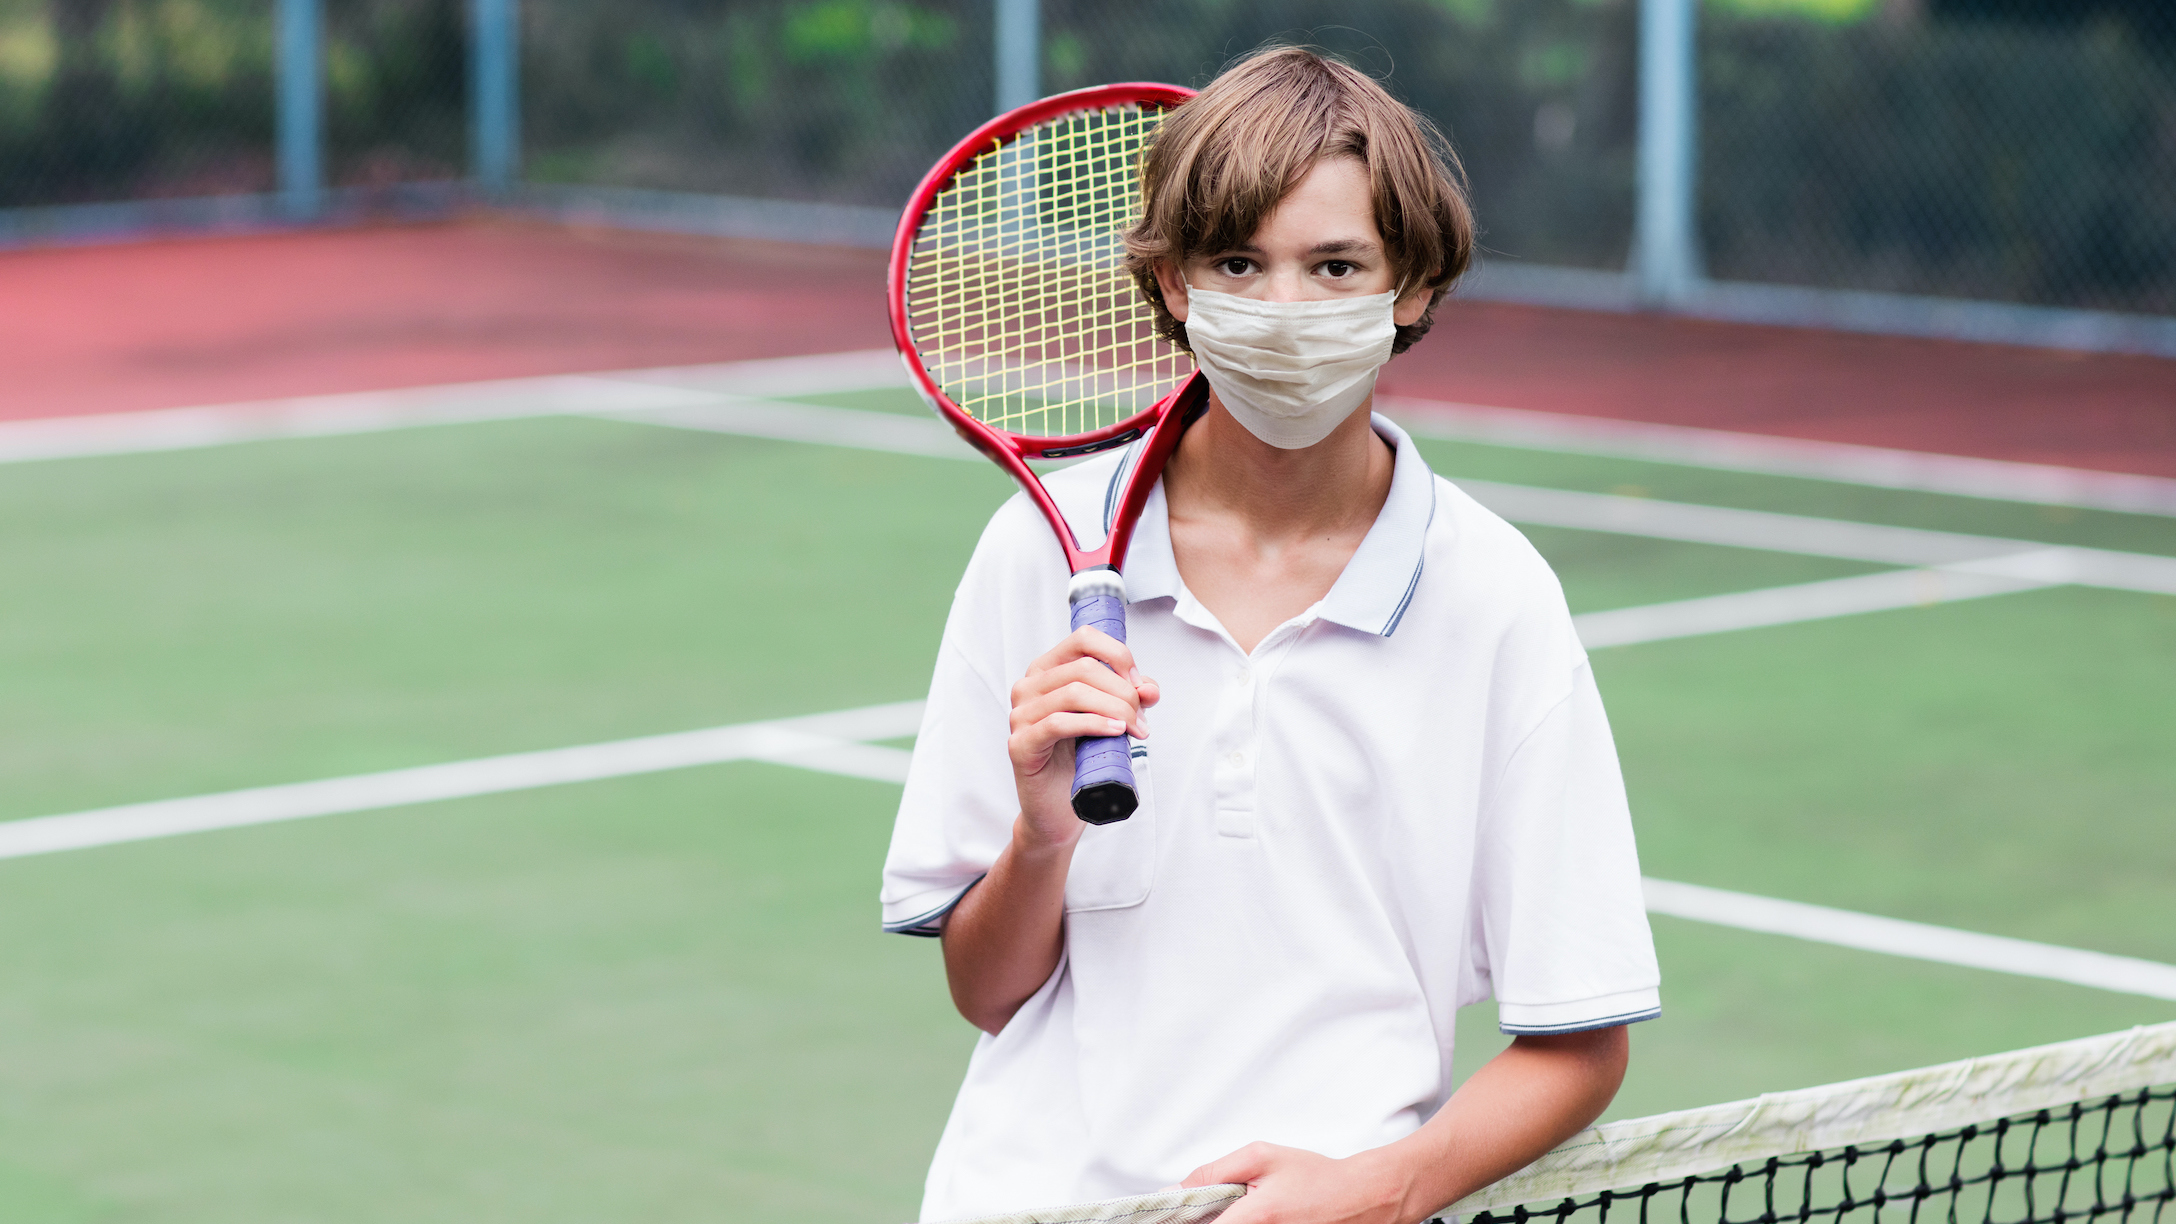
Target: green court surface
665 997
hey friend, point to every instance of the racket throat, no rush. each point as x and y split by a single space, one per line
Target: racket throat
1103 789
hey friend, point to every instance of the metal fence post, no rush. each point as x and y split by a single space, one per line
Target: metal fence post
495 95
1019 53
1665 246
301 108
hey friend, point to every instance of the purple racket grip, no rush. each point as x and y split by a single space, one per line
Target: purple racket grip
1102 765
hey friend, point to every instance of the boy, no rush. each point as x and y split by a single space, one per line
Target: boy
1382 785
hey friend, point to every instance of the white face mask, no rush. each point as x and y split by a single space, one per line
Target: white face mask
1290 371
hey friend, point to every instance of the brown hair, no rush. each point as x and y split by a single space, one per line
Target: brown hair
1223 160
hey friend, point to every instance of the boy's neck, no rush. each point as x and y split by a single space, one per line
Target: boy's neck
1333 487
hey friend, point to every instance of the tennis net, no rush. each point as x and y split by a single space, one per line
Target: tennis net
2078 1131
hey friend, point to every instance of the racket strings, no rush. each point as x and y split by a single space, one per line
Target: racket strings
1017 296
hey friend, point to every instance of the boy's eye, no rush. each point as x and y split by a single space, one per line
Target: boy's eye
1234 266
1338 269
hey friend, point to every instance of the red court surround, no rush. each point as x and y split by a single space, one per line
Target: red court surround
166 324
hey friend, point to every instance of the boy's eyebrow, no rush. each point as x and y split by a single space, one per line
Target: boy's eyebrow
1340 246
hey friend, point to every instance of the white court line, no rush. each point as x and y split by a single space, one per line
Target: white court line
1787 605
608 391
726 398
1617 627
890 432
828 743
693 398
1918 940
819 741
2032 564
1767 455
315 416
1877 543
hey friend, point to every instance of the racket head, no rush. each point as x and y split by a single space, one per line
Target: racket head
1009 294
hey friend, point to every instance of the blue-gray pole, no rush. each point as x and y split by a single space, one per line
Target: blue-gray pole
1665 246
1019 53
495 95
301 117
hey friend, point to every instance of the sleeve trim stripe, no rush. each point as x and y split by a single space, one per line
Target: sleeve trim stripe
930 924
1580 1026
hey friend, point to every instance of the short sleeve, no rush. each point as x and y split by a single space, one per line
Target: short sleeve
1557 885
956 813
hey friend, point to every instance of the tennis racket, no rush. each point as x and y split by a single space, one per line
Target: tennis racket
1020 325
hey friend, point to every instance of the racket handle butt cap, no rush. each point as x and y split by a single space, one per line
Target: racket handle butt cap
1106 803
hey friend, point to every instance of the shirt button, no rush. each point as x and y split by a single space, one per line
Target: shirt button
1237 758
1244 676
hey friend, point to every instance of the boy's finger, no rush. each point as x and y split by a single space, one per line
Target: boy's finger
1076 698
1093 643
1148 691
1245 1211
1037 685
1033 744
1089 671
1244 1166
1085 643
1074 686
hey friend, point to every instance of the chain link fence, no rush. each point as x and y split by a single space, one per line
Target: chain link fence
849 101
2000 150
2016 151
100 101
114 100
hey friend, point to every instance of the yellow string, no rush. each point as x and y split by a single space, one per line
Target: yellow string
1017 292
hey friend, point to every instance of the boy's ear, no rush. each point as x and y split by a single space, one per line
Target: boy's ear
1407 310
1173 283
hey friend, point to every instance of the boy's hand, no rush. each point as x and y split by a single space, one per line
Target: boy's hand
1292 1186
1085 685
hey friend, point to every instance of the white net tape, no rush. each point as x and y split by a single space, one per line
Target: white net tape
1666 1147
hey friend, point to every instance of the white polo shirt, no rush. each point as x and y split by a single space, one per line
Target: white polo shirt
1405 800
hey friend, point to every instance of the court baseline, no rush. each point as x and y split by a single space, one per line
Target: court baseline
69 434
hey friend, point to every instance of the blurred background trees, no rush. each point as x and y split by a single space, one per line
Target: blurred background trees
2022 150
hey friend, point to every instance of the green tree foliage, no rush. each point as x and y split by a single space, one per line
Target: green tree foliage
396 76
118 99
2011 149
845 100
114 98
2028 162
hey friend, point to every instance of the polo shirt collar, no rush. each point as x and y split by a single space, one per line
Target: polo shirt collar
1377 585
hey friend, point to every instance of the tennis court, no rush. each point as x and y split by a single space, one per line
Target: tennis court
647 982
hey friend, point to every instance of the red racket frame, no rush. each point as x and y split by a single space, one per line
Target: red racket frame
1163 422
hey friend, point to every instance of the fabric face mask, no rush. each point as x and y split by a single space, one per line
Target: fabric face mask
1290 371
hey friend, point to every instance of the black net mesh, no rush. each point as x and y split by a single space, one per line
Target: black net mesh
2109 1159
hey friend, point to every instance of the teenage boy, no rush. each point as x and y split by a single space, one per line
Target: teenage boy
1381 787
